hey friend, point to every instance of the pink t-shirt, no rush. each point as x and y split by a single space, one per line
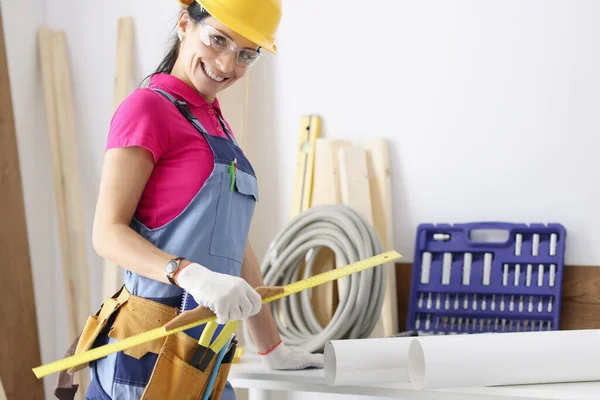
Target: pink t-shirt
183 159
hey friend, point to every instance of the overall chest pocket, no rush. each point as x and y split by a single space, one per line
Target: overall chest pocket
235 208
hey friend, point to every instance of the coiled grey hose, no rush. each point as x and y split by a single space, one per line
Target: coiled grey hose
352 238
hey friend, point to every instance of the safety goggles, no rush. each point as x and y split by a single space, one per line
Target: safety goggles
222 44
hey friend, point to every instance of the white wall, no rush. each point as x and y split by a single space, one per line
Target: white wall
491 107
458 86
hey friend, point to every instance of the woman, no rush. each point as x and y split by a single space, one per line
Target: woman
175 204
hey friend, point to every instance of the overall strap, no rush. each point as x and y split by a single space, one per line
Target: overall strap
185 111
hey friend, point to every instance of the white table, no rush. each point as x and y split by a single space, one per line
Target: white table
252 374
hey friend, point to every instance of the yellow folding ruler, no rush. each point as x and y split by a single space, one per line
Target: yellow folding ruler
201 315
310 130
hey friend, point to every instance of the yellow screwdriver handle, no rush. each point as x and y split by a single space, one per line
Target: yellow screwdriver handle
224 336
207 333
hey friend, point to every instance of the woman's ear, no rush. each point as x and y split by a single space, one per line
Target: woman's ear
183 24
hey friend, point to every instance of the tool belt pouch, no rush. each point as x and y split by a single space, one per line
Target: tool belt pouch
140 315
173 377
220 381
96 323
64 387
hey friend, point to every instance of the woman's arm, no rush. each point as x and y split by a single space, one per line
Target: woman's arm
264 331
261 326
124 176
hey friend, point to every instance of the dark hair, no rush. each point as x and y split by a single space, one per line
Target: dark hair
197 13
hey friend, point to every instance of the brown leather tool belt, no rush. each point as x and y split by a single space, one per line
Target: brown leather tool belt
173 377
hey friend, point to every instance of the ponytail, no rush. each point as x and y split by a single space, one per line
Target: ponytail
197 13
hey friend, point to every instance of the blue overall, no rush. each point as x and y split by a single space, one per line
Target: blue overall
212 231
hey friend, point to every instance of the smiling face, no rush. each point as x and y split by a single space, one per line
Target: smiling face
200 65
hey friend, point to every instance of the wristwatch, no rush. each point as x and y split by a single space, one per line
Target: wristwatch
171 269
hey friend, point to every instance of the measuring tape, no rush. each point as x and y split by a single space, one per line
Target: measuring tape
157 333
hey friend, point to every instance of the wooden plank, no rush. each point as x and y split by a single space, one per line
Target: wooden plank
45 44
243 128
2 392
403 278
124 60
326 181
19 338
70 167
70 171
354 180
310 131
580 300
326 190
355 192
580 296
113 274
233 102
378 162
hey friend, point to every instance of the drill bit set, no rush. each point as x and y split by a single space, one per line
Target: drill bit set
486 277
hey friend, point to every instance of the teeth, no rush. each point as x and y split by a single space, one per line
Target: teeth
212 75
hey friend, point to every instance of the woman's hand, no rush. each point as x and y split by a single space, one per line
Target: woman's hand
284 357
264 331
229 297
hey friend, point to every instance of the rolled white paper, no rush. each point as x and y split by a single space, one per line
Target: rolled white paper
491 359
358 362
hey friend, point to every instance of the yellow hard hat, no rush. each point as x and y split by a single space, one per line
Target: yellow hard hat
256 20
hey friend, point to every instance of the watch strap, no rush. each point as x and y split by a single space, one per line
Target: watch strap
171 276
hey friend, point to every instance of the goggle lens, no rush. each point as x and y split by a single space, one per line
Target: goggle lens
222 44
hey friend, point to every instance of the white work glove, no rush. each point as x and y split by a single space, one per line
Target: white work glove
284 357
231 298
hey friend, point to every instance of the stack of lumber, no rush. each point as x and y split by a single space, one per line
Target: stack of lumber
336 171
